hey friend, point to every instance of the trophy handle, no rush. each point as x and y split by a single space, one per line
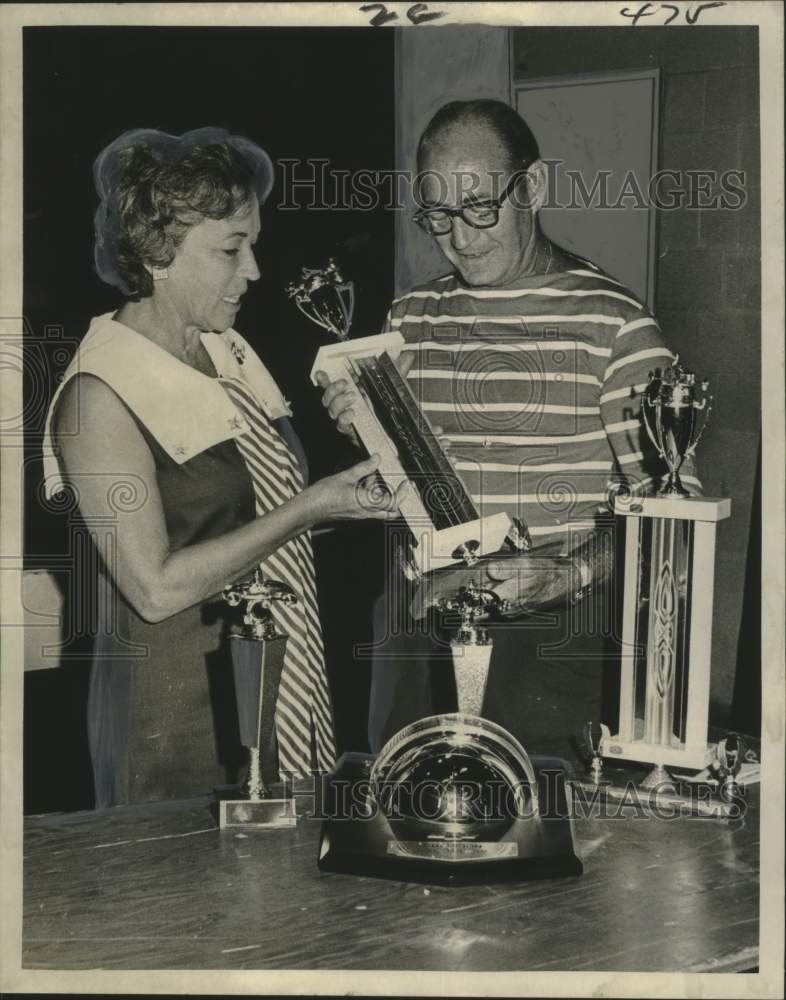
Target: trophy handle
706 406
656 439
308 315
348 289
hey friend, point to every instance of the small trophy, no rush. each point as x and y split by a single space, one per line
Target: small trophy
731 753
257 663
592 742
669 410
325 298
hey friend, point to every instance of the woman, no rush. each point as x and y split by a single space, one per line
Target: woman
177 443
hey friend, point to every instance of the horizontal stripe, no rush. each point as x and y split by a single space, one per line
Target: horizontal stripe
445 318
623 425
503 294
540 530
631 456
535 498
484 440
453 375
525 467
462 346
597 276
637 324
629 391
512 407
650 352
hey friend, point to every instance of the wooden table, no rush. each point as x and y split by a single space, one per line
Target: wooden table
159 887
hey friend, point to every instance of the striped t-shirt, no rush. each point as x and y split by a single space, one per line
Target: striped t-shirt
535 385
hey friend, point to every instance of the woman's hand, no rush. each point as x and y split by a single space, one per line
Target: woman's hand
355 494
339 398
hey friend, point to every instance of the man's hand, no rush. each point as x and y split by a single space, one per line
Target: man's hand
527 582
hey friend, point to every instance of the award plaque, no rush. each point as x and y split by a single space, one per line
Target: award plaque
440 514
667 597
257 663
442 517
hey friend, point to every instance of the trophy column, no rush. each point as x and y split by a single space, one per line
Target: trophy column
666 632
257 664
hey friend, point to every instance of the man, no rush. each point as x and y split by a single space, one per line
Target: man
530 359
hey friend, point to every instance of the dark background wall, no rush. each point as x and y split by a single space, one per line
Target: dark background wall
299 93
707 284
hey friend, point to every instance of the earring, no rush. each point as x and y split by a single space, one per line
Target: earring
159 273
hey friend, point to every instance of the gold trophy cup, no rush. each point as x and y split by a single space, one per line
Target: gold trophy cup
670 409
325 298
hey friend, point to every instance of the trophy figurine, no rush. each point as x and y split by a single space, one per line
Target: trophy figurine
667 597
325 298
257 662
669 410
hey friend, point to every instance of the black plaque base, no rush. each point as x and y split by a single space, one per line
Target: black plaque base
531 847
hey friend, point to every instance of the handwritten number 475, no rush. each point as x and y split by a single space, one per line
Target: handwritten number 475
648 9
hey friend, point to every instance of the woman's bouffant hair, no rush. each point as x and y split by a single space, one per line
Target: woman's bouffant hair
154 187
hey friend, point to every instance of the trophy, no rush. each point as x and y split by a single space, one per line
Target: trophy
257 663
667 597
455 798
669 411
445 526
325 298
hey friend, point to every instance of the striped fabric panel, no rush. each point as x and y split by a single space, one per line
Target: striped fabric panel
536 384
303 712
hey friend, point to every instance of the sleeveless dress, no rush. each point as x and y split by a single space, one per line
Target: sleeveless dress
162 721
162 717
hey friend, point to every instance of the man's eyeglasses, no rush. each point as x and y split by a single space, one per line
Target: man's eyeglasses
478 214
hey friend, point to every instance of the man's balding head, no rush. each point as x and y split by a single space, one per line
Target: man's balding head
481 123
